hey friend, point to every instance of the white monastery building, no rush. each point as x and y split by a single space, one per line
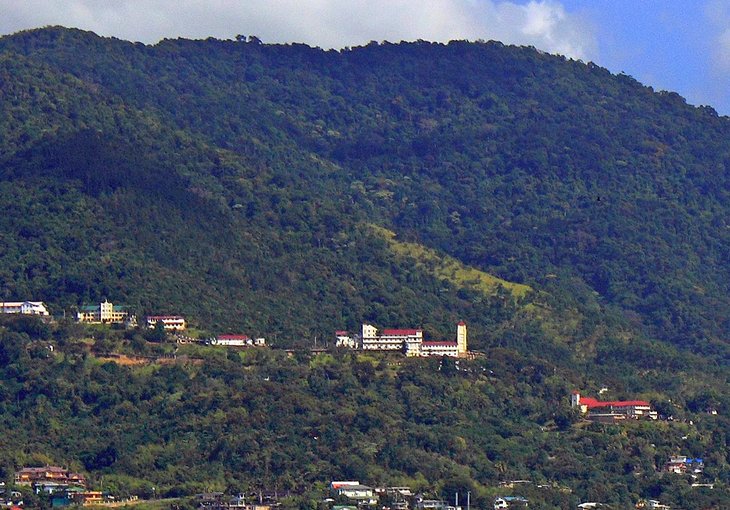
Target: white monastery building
408 341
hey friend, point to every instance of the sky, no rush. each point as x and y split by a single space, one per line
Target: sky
676 45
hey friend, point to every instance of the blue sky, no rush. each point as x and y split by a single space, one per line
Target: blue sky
682 46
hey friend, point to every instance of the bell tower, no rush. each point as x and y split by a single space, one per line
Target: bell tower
461 338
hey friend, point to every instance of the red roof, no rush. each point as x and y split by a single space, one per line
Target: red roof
164 317
590 403
401 332
232 337
341 333
439 344
462 323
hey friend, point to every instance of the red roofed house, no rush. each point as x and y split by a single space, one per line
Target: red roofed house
617 409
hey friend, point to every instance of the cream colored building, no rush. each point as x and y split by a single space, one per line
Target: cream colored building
103 313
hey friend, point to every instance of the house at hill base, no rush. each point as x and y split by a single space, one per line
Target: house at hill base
103 313
510 502
220 501
169 322
24 307
352 489
408 341
651 504
612 411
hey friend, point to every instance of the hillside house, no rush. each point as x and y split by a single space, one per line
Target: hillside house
33 475
612 410
680 464
169 322
24 307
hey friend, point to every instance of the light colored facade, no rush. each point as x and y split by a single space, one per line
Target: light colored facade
345 340
461 340
353 490
103 313
238 341
636 409
440 349
24 307
170 322
408 341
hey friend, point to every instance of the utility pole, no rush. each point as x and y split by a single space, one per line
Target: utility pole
468 499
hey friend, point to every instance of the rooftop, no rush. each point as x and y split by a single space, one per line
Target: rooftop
591 403
401 332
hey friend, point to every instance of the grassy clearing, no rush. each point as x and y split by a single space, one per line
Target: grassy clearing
449 269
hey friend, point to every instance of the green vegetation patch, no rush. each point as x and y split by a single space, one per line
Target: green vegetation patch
449 269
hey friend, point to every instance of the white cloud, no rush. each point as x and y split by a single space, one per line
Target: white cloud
326 23
722 52
717 12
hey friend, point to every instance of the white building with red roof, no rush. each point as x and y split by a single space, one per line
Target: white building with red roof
408 341
169 322
635 409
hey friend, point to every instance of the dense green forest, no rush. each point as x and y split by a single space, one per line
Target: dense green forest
253 187
246 421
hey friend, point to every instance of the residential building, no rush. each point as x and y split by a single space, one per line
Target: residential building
32 475
344 339
169 322
612 410
24 307
88 498
103 313
432 504
353 490
680 464
510 502
238 340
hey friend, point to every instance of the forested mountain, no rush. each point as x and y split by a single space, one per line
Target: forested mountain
254 187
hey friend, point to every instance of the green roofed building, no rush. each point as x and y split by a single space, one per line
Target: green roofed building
103 313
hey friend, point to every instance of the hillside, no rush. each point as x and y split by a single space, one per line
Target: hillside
536 169
576 220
